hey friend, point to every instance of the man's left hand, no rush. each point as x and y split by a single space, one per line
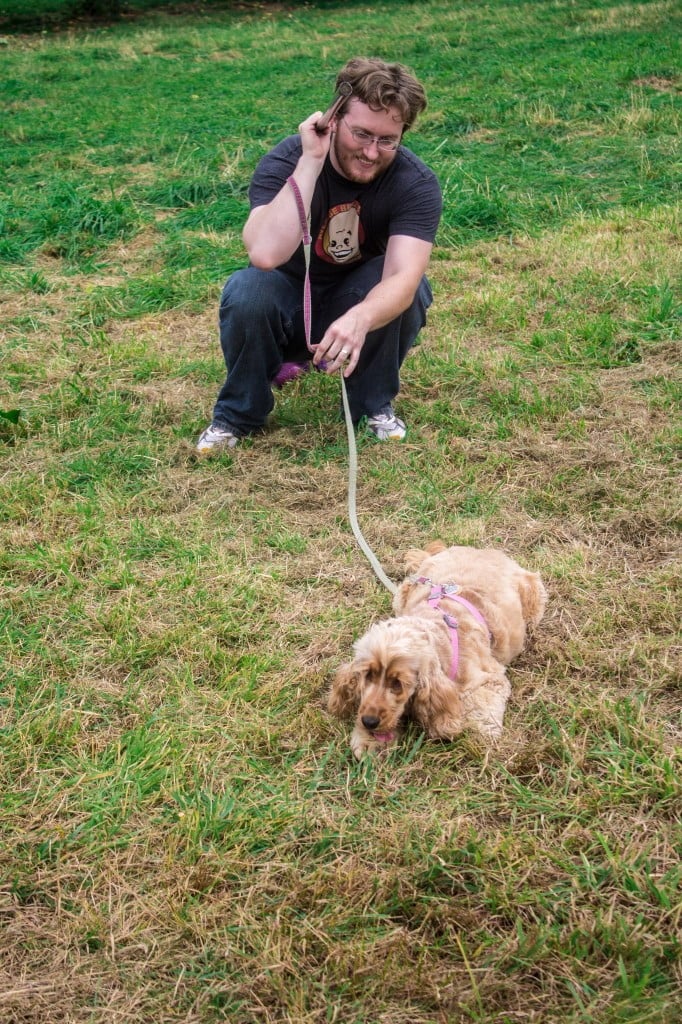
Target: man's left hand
342 343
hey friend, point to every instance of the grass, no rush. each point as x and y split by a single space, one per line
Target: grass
185 837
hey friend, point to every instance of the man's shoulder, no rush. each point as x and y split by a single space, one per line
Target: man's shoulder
273 169
289 147
282 157
411 166
416 197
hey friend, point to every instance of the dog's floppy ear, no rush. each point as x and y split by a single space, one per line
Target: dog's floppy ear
401 595
344 695
436 704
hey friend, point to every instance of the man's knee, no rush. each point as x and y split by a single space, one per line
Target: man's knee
255 294
242 289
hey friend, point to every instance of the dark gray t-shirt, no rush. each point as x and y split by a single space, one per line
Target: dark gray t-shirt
351 223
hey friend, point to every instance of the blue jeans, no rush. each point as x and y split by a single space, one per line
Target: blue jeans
261 326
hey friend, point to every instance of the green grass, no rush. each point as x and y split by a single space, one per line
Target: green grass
184 836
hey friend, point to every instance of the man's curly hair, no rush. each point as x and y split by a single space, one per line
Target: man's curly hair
381 86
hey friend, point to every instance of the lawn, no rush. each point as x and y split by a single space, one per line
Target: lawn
184 835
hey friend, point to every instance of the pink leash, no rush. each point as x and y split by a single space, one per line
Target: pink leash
307 242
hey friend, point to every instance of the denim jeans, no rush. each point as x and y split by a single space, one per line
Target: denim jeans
261 326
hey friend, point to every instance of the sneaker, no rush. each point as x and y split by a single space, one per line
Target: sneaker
288 372
386 425
215 437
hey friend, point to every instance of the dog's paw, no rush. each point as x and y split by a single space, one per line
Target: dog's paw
363 742
489 729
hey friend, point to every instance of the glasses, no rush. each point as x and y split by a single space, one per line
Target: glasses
384 142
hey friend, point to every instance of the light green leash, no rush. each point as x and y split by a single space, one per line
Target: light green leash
352 489
352 449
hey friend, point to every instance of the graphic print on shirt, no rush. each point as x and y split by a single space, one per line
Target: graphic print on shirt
341 235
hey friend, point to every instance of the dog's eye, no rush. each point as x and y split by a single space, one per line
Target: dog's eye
395 685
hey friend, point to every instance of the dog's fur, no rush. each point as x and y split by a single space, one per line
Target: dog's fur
401 665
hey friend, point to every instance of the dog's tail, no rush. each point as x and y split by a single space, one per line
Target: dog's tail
533 597
415 556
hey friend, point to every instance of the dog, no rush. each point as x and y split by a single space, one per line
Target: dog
460 618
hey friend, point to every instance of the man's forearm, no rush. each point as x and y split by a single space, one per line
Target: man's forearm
387 300
272 233
346 336
405 264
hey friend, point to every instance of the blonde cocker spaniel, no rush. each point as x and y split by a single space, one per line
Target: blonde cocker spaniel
459 619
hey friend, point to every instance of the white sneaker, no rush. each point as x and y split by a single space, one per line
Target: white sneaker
386 425
215 437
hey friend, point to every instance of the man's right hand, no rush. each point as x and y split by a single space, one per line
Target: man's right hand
316 144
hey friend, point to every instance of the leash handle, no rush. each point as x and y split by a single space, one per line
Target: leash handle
302 216
345 90
352 449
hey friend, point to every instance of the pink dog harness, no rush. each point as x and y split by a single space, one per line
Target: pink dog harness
451 591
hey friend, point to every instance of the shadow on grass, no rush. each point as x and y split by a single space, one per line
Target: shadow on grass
54 15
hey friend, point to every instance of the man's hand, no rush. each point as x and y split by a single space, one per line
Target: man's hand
342 343
404 265
315 144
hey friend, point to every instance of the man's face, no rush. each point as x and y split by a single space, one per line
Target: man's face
360 159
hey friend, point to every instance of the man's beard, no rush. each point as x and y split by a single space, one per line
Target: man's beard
354 166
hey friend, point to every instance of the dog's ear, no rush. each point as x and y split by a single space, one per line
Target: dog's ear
344 696
436 704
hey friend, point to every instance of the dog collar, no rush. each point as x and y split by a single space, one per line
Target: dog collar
451 591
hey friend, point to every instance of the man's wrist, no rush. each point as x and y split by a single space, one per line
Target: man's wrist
309 164
363 314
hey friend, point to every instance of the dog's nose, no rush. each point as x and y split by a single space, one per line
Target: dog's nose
370 721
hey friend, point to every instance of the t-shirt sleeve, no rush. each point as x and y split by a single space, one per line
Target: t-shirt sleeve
273 170
418 212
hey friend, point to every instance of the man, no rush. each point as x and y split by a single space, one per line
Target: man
373 209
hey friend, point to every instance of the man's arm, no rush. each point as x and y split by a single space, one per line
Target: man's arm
272 233
405 264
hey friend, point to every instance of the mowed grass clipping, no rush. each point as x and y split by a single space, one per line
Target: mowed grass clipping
184 834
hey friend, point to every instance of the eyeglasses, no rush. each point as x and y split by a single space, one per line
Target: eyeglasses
385 142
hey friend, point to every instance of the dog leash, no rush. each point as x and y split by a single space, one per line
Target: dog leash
352 447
